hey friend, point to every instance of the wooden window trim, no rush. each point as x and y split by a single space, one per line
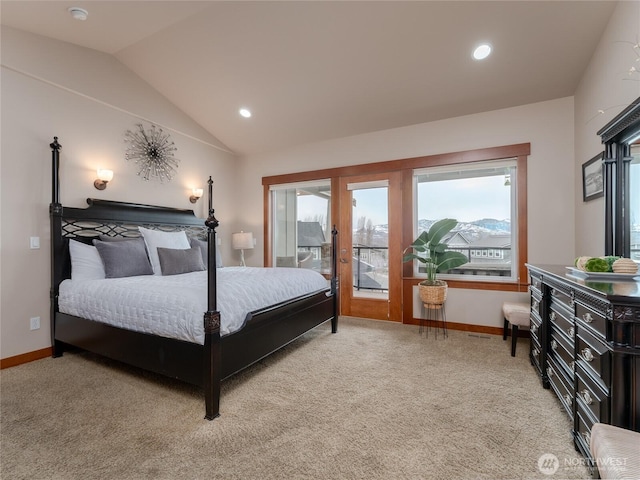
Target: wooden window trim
519 151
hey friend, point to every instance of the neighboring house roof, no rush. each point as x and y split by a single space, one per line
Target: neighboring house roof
456 239
496 241
310 234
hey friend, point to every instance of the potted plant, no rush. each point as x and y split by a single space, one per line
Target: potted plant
429 249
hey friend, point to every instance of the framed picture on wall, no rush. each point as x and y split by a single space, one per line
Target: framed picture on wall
592 178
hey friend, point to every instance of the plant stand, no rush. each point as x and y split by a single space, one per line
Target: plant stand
433 313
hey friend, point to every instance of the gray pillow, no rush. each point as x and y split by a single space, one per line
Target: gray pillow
174 261
202 244
124 259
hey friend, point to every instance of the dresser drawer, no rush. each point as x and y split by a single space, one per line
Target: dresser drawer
562 352
595 356
592 319
536 302
562 319
534 329
536 285
592 396
584 423
562 386
561 297
535 354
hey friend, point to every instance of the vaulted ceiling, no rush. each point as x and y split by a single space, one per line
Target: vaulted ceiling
316 70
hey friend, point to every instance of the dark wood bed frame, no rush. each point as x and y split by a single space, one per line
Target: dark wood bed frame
264 332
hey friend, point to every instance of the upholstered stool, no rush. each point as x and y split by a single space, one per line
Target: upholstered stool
518 315
616 451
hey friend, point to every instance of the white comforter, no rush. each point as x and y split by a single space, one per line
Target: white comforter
173 306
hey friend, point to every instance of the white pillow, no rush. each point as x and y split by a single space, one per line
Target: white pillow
86 263
155 238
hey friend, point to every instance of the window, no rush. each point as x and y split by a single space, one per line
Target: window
482 197
634 203
301 220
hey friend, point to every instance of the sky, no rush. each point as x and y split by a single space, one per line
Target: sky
465 200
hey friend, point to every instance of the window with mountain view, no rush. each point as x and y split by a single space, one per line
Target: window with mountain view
481 196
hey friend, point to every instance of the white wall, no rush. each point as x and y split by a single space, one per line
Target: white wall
87 99
605 86
548 126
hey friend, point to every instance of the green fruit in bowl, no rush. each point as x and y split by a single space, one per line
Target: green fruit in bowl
610 259
596 265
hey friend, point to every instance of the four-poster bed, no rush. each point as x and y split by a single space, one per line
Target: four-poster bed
263 331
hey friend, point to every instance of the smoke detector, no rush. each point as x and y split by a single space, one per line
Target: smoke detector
78 13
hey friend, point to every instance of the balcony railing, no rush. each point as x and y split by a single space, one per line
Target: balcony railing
371 268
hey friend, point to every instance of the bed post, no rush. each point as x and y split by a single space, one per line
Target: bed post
335 287
212 321
55 217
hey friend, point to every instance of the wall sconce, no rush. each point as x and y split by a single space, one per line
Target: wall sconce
104 177
196 193
242 241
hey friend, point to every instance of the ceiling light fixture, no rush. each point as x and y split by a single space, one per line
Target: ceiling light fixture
78 13
482 51
245 112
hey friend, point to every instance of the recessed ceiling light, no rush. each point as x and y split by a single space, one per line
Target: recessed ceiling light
482 51
78 13
245 112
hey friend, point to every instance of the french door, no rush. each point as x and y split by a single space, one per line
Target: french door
370 251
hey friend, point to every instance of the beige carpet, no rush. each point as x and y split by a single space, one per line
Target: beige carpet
375 401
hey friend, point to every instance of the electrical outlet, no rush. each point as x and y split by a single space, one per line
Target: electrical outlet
34 323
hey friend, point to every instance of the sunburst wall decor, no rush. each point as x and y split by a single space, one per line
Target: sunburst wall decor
153 151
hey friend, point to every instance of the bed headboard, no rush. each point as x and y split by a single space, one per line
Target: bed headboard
112 218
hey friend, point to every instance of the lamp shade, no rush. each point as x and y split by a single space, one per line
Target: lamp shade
105 175
242 240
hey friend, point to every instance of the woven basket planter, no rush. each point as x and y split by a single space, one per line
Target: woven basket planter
433 294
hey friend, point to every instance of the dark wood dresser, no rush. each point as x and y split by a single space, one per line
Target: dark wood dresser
585 345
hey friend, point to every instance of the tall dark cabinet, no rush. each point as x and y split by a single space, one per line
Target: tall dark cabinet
585 345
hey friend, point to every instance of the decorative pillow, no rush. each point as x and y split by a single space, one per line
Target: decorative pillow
175 261
124 259
86 263
155 238
202 244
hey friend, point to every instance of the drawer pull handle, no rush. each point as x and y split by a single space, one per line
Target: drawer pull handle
588 355
553 316
536 303
570 332
554 345
534 329
567 398
587 317
572 365
536 352
586 397
553 292
550 372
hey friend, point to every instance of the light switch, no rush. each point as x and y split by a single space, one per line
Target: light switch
34 243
